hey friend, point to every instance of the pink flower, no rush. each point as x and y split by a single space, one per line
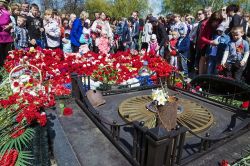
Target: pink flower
193 91
103 45
197 88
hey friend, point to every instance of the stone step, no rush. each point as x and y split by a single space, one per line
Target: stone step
77 141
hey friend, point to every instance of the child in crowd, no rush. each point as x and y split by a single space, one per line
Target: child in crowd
172 49
52 30
153 44
216 51
21 33
85 38
103 43
236 54
66 42
183 46
177 24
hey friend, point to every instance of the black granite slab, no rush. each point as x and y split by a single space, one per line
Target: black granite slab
223 120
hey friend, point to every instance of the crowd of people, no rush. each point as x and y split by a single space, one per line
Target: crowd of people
200 44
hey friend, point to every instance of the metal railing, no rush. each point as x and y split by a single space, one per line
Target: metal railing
225 100
150 147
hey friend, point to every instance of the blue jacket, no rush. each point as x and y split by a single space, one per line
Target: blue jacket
223 42
76 32
184 46
234 55
119 29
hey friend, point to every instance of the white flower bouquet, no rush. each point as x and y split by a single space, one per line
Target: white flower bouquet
160 96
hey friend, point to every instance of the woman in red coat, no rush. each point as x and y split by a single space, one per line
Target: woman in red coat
208 28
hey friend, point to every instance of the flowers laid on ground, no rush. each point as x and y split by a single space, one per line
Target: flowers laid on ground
32 79
67 111
106 74
224 163
21 106
245 105
111 69
9 158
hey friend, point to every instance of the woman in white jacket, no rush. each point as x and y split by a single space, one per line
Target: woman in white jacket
97 27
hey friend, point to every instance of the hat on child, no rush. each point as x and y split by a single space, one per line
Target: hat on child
153 37
67 31
221 28
87 21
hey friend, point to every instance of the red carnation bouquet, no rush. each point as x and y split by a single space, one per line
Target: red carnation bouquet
9 158
220 68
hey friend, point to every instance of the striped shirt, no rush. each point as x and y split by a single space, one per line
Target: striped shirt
21 37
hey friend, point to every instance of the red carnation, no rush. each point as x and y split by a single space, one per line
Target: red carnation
9 158
5 103
197 88
101 79
42 119
173 53
245 104
31 80
99 27
220 68
179 85
224 163
17 132
67 111
16 84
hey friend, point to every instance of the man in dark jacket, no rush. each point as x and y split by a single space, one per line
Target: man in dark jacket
34 25
135 31
246 28
236 20
246 36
